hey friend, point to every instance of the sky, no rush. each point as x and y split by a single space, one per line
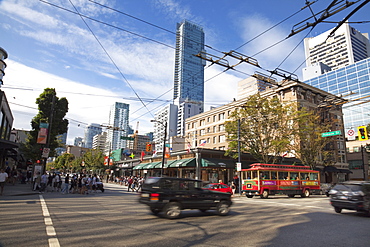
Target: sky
123 51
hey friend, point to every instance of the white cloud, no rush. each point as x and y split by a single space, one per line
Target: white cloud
271 57
85 104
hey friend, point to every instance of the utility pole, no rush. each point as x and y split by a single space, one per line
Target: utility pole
239 158
47 145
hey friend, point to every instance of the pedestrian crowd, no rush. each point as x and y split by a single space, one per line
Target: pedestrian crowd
73 183
133 183
69 183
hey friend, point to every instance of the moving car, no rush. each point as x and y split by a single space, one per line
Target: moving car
218 187
352 195
171 195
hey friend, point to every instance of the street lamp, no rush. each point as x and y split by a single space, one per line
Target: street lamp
164 143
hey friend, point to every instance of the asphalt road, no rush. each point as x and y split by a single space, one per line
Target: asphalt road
115 218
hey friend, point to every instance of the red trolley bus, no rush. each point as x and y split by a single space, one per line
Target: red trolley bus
269 179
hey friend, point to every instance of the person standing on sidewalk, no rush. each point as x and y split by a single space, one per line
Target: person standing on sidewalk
3 178
66 185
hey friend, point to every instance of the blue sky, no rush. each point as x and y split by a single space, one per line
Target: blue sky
51 47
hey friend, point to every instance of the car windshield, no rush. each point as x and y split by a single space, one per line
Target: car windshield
208 186
347 187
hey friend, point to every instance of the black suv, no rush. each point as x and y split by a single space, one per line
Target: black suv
171 195
352 195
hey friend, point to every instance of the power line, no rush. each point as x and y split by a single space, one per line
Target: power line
149 23
277 24
90 94
111 59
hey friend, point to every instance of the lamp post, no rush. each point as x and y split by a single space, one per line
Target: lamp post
164 143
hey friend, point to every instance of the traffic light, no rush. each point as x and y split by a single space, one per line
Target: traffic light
362 133
148 147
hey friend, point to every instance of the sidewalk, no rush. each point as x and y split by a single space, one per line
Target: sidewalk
18 189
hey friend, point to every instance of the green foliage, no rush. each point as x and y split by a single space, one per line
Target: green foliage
52 110
63 161
91 160
309 146
265 128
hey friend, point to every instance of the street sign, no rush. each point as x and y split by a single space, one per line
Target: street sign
331 133
351 135
238 166
45 152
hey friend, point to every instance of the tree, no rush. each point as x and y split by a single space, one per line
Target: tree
94 159
52 110
64 161
308 145
265 128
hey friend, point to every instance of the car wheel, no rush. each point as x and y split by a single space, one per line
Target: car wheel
249 196
306 193
265 194
172 210
291 196
223 208
155 211
338 210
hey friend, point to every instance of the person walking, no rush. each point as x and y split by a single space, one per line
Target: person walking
37 179
43 182
3 178
129 183
66 185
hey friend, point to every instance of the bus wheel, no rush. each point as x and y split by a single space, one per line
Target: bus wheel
265 194
306 193
250 196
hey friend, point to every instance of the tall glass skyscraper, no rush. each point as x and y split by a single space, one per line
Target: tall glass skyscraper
189 69
90 131
354 81
189 72
118 120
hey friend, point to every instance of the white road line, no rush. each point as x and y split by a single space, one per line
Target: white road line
53 242
50 230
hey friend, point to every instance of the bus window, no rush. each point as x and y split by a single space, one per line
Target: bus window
294 176
304 176
254 175
283 175
273 175
264 174
314 176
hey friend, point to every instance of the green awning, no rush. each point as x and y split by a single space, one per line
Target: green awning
169 163
183 163
139 166
151 165
218 163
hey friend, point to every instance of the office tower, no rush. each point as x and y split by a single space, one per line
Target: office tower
62 140
347 46
78 142
99 141
167 115
90 131
252 85
118 122
353 83
189 71
3 56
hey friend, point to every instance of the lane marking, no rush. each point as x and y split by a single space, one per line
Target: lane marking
50 230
